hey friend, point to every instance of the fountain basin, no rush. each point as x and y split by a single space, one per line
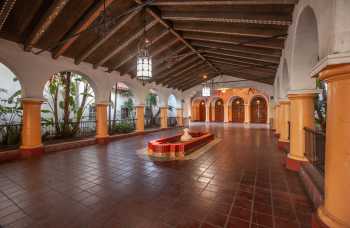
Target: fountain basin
171 147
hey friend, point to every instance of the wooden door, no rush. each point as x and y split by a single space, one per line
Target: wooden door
238 110
219 111
202 111
258 110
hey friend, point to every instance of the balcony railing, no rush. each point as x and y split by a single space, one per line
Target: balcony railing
315 146
121 126
84 129
172 122
10 135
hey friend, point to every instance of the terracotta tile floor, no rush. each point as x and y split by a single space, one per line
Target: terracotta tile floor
240 182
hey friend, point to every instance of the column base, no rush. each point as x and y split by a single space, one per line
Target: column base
293 163
322 219
31 152
102 140
283 145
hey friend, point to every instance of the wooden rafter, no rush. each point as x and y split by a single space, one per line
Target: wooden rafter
191 68
5 11
223 3
134 53
120 47
98 43
44 23
157 15
238 49
83 24
244 18
189 74
196 77
196 82
267 42
234 29
241 56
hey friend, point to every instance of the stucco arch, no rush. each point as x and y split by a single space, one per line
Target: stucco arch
285 80
305 50
11 69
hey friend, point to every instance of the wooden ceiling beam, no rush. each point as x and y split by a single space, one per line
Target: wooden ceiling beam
5 11
197 77
120 47
189 77
134 53
263 52
83 24
240 56
266 80
235 60
266 42
192 66
157 15
98 43
247 71
190 72
223 3
156 63
44 23
224 17
196 82
165 71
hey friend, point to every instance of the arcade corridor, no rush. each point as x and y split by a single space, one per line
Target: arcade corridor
238 183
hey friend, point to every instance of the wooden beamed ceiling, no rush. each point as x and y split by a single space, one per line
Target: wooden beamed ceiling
188 38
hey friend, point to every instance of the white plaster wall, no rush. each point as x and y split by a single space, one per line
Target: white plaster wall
33 71
333 30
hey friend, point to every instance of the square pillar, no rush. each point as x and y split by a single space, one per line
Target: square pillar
163 117
277 133
102 136
179 117
31 144
335 211
283 141
247 113
140 117
302 115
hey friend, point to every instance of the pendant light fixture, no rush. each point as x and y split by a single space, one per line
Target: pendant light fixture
144 60
206 88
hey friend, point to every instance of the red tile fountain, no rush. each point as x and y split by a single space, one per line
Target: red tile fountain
172 147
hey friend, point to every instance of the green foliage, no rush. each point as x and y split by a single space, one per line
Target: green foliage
151 100
321 105
123 127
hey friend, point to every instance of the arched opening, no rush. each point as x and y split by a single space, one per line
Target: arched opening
258 107
152 110
121 112
219 110
237 110
198 110
306 50
10 109
172 104
285 84
70 107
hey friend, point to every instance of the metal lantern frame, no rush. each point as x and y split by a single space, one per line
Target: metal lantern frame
144 59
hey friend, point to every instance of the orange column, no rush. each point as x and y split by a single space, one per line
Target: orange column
31 128
302 115
335 212
277 133
163 117
179 117
207 110
102 136
246 113
140 116
284 118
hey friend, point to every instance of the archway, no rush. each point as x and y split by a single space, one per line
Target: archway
198 110
219 110
10 108
121 112
152 110
237 110
258 107
172 112
70 107
306 50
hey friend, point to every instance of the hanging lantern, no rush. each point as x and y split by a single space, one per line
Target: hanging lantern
144 60
206 91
